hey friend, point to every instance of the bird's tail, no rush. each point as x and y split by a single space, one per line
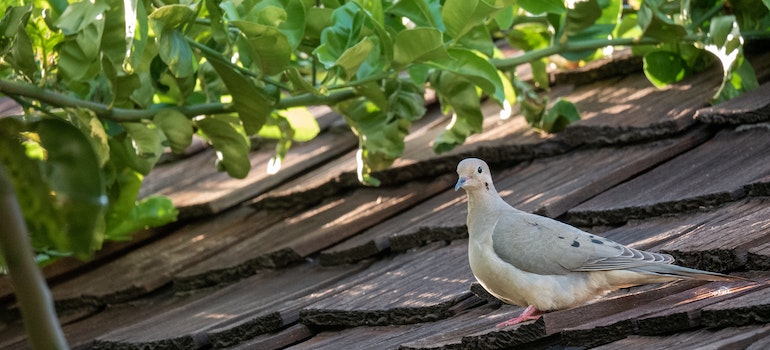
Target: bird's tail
682 272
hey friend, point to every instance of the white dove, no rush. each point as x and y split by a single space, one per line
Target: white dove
545 265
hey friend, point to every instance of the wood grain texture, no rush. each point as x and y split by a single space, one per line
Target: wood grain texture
710 174
750 107
404 289
198 189
154 265
258 305
754 338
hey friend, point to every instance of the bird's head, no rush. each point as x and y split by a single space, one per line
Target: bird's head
474 174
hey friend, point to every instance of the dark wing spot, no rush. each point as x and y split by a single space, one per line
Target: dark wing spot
561 237
597 241
575 244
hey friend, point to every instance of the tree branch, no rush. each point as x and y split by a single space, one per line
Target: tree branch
512 62
13 88
34 297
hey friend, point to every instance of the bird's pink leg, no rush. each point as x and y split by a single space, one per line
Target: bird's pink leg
529 314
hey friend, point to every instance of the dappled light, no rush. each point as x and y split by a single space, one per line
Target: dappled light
718 292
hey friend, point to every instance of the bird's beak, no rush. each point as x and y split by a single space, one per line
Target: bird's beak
460 183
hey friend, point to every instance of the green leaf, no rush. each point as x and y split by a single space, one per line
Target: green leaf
381 127
299 83
177 128
218 27
251 103
12 23
357 43
561 114
139 148
87 121
14 39
531 105
740 79
232 146
83 25
583 15
726 43
480 39
751 14
628 27
269 47
278 127
540 73
537 7
153 211
352 58
474 68
269 13
294 26
374 9
663 68
77 184
44 221
177 53
381 140
169 17
505 17
344 33
123 192
529 36
318 19
140 50
591 21
405 100
458 94
124 87
80 15
658 25
146 139
115 40
418 45
382 54
22 56
301 125
723 32
460 16
422 13
419 72
374 92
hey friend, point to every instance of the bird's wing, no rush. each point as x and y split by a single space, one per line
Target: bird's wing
545 246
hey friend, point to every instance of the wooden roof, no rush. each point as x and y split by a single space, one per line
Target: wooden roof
309 259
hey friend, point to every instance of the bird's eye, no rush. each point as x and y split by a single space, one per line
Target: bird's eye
479 169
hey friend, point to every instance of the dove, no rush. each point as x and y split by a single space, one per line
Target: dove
544 264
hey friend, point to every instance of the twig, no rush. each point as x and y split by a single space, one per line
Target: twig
34 297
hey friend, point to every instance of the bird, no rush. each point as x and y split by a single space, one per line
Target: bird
544 264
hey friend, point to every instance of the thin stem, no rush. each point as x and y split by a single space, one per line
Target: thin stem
37 309
245 71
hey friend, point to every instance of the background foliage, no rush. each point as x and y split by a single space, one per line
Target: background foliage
107 85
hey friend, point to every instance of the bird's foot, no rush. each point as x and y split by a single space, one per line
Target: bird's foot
529 314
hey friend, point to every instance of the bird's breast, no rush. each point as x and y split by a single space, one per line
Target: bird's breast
514 286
